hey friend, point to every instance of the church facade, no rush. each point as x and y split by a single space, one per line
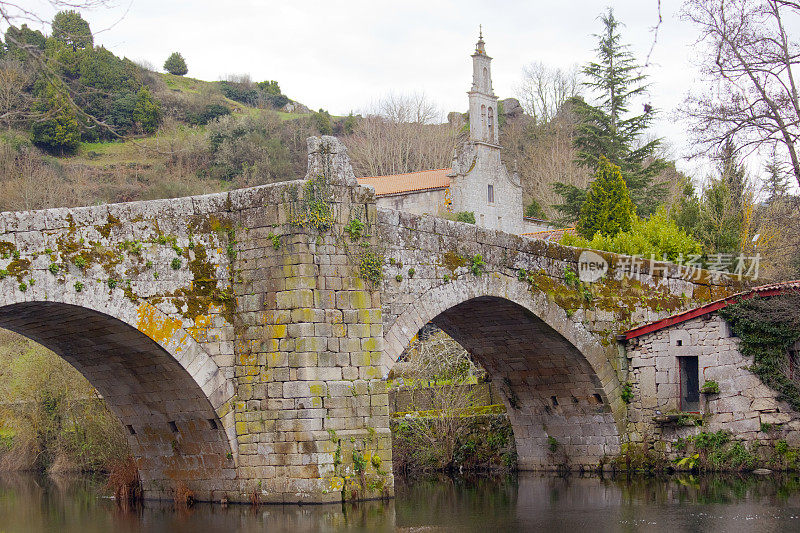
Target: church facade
477 180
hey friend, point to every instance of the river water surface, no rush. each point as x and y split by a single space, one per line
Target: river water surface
524 502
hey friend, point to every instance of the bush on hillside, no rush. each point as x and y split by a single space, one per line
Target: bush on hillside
248 149
175 64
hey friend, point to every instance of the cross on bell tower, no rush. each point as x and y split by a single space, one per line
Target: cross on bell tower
482 101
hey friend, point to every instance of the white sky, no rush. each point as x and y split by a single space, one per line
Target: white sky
343 55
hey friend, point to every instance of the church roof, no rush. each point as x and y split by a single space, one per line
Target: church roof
410 182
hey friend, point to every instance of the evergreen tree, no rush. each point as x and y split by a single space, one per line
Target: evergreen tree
22 41
71 29
147 111
777 182
719 224
59 130
175 64
608 208
609 130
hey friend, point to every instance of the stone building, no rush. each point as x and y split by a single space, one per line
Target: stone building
477 181
670 361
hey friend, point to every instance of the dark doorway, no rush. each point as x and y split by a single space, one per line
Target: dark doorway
690 384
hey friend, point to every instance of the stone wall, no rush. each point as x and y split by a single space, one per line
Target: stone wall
742 405
547 340
429 202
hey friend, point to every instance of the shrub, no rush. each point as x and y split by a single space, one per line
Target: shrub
175 64
465 216
657 236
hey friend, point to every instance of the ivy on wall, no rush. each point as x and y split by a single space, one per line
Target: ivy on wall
767 328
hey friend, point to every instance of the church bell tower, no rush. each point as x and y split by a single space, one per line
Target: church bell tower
482 101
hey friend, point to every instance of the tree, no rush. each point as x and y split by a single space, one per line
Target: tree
398 135
175 64
71 29
14 98
544 90
777 182
22 43
608 208
749 60
609 130
58 130
146 112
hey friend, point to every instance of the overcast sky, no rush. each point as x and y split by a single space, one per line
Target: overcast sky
343 55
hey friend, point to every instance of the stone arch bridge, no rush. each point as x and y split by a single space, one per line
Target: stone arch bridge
242 338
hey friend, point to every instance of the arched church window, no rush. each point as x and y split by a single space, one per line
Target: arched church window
486 78
491 194
483 121
491 124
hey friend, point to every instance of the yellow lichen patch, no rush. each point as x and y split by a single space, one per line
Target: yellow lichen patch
154 324
202 324
275 331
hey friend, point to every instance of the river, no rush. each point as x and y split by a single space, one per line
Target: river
524 502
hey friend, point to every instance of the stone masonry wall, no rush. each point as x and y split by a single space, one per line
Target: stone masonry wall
547 339
743 404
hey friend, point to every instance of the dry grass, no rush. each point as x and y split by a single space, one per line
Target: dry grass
183 496
123 480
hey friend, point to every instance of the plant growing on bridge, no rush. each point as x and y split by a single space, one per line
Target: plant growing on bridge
78 286
314 209
176 263
370 266
53 268
276 240
354 228
476 265
627 392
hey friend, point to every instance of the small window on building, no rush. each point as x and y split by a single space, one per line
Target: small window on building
483 122
491 125
491 194
690 384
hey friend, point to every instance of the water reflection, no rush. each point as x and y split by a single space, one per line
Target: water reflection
526 502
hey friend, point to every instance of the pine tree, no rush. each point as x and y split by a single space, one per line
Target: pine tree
175 64
608 208
609 130
59 131
777 182
71 29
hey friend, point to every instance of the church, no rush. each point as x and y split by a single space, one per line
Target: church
477 180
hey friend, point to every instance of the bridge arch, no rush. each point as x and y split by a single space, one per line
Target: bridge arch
554 375
160 383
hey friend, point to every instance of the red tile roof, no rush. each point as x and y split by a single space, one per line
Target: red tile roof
765 290
549 235
410 182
